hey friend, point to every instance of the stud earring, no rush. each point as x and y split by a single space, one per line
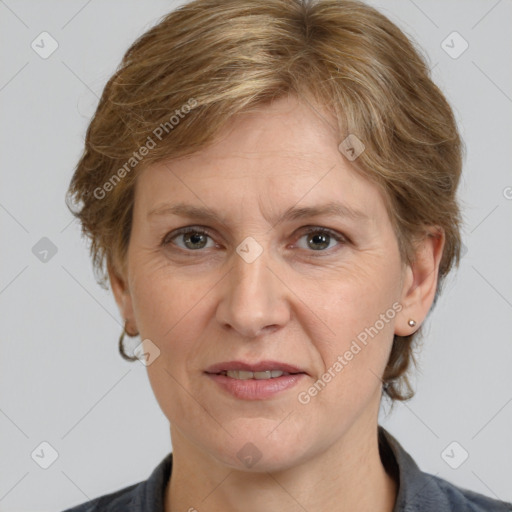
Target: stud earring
411 322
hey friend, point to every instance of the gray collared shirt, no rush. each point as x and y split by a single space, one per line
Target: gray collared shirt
417 491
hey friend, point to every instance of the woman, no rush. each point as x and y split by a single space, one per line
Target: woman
270 189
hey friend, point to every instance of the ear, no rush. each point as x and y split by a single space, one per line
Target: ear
123 297
420 281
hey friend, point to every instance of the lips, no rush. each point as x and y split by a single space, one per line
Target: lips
259 370
263 380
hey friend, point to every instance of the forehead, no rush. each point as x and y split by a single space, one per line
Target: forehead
280 155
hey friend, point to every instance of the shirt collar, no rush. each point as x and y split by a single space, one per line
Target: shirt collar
415 488
413 484
152 495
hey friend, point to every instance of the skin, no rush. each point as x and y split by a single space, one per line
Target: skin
292 304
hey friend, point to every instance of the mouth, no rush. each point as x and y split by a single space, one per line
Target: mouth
246 375
256 381
262 370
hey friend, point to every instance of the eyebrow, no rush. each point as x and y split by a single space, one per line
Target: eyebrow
293 213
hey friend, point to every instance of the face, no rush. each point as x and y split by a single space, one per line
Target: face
297 264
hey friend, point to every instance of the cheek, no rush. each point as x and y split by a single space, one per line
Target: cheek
358 295
173 311
358 309
170 313
164 301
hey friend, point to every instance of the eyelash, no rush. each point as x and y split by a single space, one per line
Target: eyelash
338 237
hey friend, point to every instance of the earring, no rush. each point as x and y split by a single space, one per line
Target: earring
124 355
411 322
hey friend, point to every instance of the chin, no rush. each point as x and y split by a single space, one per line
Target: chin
251 459
259 453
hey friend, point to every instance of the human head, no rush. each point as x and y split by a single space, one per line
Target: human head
211 60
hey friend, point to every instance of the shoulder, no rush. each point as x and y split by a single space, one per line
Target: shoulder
113 502
418 490
464 500
145 496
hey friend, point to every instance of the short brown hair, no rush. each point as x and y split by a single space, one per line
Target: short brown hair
226 57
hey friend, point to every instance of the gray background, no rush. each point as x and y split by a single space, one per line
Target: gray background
61 378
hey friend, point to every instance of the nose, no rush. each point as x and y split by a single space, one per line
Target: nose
254 299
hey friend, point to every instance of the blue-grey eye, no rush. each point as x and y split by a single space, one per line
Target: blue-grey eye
319 240
192 239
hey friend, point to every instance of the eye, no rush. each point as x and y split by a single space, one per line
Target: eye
192 238
321 239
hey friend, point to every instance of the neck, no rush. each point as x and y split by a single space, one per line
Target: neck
348 476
